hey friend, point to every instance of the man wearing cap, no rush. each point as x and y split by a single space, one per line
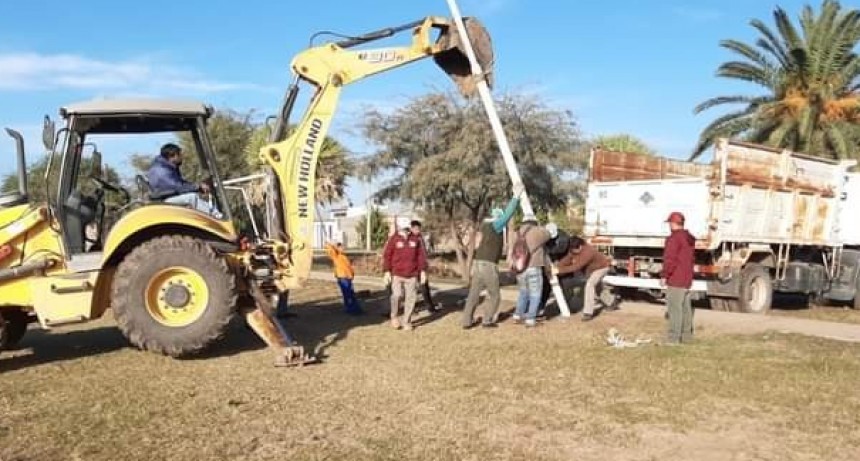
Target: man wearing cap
485 265
678 261
405 265
530 281
582 256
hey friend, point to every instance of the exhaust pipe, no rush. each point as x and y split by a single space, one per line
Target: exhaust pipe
22 161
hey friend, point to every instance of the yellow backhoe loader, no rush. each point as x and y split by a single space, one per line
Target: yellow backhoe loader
174 276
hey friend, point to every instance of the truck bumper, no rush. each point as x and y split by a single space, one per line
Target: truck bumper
651 284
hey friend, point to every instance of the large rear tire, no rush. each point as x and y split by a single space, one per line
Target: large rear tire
173 295
13 326
756 296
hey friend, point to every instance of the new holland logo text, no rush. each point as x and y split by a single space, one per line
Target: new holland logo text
306 165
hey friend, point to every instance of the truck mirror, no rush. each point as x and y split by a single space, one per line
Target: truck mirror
48 133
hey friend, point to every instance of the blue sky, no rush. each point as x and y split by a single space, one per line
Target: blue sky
620 66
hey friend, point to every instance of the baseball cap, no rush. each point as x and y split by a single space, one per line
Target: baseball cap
402 223
676 217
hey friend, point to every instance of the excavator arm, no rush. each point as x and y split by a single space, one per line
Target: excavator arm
327 68
283 259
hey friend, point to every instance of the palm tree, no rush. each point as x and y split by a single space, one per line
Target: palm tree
811 79
333 167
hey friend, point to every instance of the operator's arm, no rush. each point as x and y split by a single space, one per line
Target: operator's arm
164 179
502 221
185 187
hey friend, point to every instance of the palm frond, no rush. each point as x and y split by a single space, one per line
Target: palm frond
728 125
737 99
748 52
747 72
771 43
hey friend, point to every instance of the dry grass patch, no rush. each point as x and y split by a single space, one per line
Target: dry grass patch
555 393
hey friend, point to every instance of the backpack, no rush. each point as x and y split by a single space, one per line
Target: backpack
520 253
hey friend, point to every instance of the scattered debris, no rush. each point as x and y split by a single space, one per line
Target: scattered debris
617 340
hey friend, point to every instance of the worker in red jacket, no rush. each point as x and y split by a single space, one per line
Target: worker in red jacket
678 261
405 265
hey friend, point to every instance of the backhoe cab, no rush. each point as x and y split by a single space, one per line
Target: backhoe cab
174 276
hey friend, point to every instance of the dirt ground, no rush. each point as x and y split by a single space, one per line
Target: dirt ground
557 392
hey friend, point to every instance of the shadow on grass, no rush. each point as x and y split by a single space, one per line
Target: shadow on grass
59 347
317 325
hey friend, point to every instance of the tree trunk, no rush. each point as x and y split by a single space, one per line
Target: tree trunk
458 250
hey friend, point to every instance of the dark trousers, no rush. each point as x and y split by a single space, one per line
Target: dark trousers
569 284
350 301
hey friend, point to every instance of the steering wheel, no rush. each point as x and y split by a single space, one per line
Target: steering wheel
117 189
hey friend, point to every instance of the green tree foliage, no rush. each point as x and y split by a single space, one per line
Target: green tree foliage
622 143
333 167
378 229
810 74
443 157
39 188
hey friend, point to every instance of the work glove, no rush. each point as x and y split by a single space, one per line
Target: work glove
386 278
552 228
422 279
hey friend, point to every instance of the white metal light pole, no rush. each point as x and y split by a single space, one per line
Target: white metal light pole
501 139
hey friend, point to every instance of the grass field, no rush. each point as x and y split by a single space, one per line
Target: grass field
438 393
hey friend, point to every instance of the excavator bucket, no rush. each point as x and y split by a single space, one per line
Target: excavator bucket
454 60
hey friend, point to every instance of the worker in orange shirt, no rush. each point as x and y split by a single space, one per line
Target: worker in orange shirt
344 273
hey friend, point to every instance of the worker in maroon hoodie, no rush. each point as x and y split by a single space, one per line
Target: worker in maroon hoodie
678 261
405 265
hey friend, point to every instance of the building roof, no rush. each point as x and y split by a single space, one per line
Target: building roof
137 107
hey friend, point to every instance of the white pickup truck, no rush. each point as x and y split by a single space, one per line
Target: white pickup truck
765 220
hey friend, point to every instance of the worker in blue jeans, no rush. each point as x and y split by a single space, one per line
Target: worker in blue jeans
530 281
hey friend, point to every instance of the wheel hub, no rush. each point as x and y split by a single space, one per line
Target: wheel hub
177 296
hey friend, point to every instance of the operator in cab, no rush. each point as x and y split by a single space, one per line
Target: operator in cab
166 180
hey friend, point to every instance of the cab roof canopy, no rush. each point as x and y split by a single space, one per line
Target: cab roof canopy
135 115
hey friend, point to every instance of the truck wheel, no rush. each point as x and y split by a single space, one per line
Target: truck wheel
13 326
173 295
756 294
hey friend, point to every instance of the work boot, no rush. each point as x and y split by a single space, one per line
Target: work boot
587 317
